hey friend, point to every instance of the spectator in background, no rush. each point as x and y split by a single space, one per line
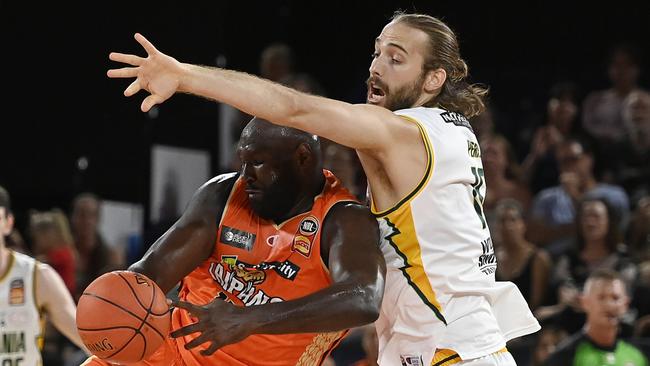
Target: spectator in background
343 162
553 211
603 109
52 244
96 257
638 233
15 242
539 167
520 261
605 300
599 246
547 341
633 171
502 174
277 62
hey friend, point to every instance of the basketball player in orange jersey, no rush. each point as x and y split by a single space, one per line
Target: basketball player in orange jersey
284 243
441 304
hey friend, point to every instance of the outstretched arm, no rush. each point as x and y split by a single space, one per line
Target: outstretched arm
54 298
357 269
190 240
358 126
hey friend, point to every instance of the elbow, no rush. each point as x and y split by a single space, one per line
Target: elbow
369 303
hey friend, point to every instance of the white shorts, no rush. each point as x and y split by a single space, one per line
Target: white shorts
494 359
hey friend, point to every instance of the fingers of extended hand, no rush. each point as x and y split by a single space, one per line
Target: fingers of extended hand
214 346
150 101
125 72
187 330
145 44
126 58
132 89
204 337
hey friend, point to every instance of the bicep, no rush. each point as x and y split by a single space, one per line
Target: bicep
187 243
358 126
352 235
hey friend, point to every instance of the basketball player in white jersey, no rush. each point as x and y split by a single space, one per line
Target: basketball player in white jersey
29 291
441 305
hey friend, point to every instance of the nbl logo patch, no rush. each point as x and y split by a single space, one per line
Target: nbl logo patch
309 226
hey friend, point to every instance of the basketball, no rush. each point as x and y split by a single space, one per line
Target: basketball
123 317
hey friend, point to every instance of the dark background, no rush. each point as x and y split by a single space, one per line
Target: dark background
58 105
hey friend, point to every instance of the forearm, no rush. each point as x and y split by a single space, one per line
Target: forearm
248 93
356 126
340 306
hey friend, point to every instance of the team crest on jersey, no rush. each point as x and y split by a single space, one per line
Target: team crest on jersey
411 360
17 292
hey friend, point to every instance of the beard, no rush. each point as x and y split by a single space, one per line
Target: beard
277 199
403 97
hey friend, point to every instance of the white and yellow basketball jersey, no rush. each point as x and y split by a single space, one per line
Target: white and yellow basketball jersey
440 287
21 328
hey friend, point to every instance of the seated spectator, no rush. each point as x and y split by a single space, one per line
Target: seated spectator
552 222
344 163
520 261
539 168
52 244
605 300
502 173
95 256
598 247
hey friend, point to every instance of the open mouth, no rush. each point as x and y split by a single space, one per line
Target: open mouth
375 94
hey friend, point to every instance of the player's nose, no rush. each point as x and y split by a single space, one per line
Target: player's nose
375 66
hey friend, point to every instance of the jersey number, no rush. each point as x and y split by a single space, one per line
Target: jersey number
479 183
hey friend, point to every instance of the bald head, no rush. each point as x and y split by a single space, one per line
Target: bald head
281 165
268 135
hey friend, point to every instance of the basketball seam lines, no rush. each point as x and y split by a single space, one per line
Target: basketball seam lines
125 310
138 299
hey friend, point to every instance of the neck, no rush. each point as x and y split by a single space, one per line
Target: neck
305 201
4 256
604 336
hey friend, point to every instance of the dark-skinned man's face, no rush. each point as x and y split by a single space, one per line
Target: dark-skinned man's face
271 176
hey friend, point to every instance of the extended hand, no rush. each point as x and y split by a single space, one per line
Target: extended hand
158 74
218 322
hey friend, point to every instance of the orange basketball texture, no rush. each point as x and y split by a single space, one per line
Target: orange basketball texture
123 317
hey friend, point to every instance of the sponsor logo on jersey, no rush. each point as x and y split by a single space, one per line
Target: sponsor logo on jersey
457 119
308 226
473 149
17 292
411 360
241 280
487 262
302 245
237 238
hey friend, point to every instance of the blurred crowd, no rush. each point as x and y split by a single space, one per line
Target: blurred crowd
568 196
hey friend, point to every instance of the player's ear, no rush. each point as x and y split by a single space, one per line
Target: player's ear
434 80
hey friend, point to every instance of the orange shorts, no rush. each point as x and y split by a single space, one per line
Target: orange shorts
167 354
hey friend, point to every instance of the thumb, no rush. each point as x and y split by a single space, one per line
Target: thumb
150 101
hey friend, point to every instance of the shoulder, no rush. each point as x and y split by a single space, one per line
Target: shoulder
348 211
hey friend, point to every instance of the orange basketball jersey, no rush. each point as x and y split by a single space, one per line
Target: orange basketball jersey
256 262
